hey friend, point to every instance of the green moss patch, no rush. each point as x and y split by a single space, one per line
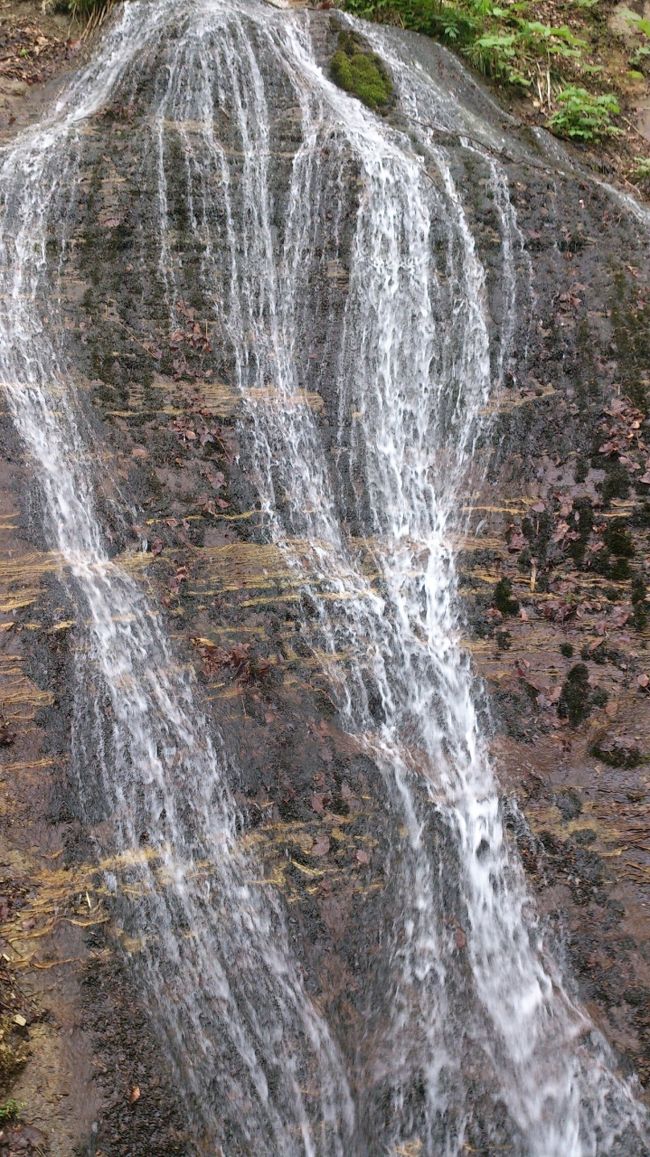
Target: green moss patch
618 539
618 752
578 699
502 598
361 73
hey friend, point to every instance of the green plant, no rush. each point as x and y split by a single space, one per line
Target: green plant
583 116
10 1110
641 171
640 57
455 21
555 40
641 23
512 47
83 10
495 54
499 41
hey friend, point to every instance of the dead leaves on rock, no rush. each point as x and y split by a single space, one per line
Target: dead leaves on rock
623 427
28 55
240 661
180 576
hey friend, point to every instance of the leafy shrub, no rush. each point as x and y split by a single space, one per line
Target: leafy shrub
640 23
449 21
583 116
640 58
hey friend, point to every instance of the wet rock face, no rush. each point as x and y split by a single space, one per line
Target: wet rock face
567 662
560 517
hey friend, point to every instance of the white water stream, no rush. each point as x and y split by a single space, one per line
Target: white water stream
367 516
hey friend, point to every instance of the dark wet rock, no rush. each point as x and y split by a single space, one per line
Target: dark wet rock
638 997
569 804
584 836
143 1114
7 736
163 407
589 866
22 1139
618 751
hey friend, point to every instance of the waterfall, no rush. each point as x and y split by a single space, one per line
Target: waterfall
366 509
216 960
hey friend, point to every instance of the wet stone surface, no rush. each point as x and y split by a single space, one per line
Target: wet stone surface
562 462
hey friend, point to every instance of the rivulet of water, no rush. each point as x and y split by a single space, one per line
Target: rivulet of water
366 508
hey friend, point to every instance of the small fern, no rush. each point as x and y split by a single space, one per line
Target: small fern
582 116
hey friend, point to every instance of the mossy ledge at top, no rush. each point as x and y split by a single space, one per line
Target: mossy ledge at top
357 70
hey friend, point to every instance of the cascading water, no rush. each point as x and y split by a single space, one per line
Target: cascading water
217 964
366 512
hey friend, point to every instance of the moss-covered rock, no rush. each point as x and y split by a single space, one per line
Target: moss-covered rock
360 72
502 598
640 605
618 539
617 751
574 699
